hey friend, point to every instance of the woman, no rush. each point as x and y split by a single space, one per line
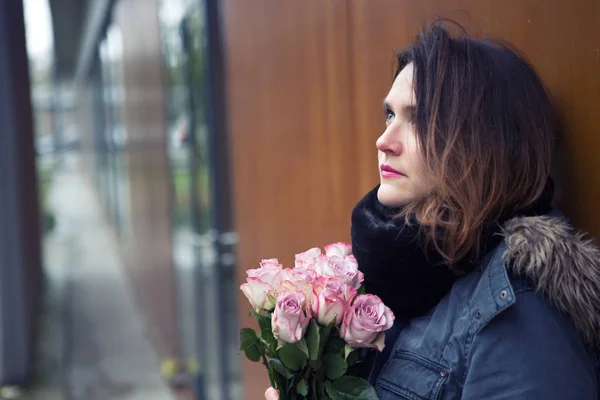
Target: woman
495 295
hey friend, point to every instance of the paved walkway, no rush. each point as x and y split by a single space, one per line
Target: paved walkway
102 343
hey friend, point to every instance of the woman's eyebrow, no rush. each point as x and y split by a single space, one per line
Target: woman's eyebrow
410 108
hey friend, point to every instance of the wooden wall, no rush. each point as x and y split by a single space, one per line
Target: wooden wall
305 85
297 161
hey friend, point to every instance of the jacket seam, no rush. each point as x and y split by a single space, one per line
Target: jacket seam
523 290
469 337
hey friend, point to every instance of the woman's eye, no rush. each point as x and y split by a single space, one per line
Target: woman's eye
389 116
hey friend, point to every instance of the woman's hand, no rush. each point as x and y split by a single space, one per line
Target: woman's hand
271 394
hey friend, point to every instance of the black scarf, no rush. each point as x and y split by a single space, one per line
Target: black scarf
398 270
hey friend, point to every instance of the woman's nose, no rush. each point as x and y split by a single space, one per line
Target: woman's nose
388 142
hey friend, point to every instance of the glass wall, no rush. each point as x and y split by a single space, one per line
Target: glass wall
202 241
125 153
110 133
204 271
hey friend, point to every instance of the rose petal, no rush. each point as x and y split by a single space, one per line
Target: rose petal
339 249
379 342
306 259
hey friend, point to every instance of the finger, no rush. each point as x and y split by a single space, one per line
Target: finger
271 394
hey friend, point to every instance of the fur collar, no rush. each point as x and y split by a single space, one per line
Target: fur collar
561 265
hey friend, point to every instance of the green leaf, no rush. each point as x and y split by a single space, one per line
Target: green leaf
355 388
280 368
324 333
266 332
253 353
264 322
315 364
292 357
351 355
269 348
319 374
247 338
277 380
302 346
301 388
249 344
335 345
312 340
334 366
350 388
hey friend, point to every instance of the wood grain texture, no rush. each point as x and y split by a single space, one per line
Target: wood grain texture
291 125
292 133
305 86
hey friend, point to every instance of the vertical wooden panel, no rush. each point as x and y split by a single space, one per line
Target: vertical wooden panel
149 249
305 85
290 123
292 132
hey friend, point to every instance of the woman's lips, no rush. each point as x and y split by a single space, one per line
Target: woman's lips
389 172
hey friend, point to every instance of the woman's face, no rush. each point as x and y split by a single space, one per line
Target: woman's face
402 167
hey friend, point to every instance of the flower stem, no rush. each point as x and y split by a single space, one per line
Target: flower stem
270 372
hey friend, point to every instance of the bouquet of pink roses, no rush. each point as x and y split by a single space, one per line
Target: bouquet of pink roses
312 319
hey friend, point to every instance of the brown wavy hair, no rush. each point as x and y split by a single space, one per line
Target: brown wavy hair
485 123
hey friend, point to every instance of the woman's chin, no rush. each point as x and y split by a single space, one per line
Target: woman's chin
390 196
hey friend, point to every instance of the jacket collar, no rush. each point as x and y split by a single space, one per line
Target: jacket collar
547 254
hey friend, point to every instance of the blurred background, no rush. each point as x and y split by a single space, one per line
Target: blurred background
153 150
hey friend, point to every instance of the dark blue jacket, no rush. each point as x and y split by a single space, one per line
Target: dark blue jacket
524 325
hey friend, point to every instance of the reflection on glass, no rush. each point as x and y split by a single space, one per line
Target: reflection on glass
111 141
195 241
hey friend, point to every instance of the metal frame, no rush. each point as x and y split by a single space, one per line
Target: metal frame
20 258
94 29
221 186
220 238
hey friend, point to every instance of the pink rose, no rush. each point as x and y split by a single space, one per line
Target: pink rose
339 249
307 259
270 262
261 284
366 321
302 278
344 269
348 293
259 294
268 271
287 285
329 300
290 320
297 275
